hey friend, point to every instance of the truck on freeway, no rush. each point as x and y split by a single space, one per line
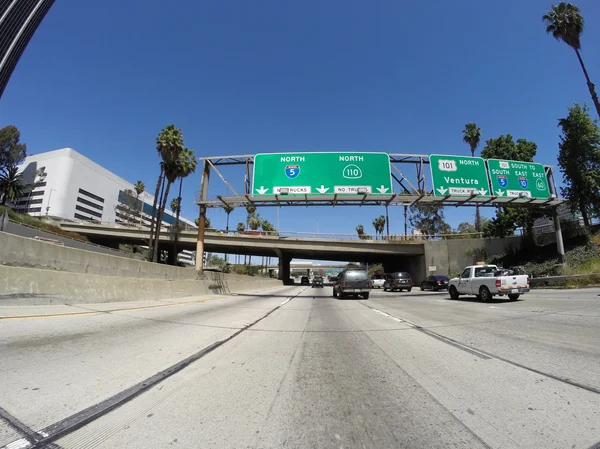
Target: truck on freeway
487 281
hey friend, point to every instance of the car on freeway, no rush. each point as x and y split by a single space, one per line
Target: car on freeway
486 281
400 280
435 283
304 280
378 280
317 282
352 282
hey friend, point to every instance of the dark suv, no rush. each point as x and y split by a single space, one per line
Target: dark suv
398 281
352 282
317 282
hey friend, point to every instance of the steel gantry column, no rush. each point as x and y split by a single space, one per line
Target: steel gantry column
202 218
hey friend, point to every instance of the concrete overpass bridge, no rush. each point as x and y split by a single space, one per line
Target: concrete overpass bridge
418 257
394 255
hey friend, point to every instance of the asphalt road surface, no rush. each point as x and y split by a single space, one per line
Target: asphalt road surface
295 368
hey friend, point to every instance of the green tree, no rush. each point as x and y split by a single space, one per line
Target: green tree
175 205
254 221
428 219
565 22
464 230
12 152
12 185
186 165
472 137
207 222
579 161
379 225
268 227
508 219
228 208
170 145
360 230
139 188
240 227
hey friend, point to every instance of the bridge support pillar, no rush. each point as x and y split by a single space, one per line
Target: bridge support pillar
560 248
285 268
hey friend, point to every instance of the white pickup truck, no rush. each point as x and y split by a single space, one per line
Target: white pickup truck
487 281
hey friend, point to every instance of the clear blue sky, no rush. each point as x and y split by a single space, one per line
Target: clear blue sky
244 77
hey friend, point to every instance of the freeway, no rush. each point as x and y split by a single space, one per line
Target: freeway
293 367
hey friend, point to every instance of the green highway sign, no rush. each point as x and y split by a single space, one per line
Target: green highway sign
518 179
347 173
458 175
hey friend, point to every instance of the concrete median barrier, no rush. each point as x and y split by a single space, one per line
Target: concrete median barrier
32 286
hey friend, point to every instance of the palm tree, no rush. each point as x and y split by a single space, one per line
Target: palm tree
228 208
206 222
379 225
139 188
187 164
240 227
565 23
360 230
472 137
169 143
12 186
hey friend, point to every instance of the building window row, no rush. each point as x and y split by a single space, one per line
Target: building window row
83 217
88 211
89 203
34 209
36 201
91 195
36 193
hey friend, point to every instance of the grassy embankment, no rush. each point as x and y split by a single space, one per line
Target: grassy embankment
40 224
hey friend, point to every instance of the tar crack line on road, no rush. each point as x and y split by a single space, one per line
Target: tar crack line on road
484 354
74 422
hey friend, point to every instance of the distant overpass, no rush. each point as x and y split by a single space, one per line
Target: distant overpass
418 257
254 245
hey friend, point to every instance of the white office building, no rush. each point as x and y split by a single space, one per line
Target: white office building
69 186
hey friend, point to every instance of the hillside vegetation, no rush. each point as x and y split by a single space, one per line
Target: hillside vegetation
38 223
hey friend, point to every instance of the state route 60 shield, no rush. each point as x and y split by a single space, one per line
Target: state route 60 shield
503 181
292 171
523 183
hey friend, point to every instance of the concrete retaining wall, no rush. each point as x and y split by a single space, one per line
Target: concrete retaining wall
31 286
451 256
26 252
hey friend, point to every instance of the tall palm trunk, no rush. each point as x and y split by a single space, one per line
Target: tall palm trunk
176 239
151 240
589 83
161 212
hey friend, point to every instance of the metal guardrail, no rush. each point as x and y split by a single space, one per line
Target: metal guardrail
547 279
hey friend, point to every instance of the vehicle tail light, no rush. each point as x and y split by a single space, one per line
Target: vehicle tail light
342 284
411 282
394 281
498 283
439 282
527 281
370 284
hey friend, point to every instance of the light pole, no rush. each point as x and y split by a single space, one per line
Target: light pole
317 226
49 198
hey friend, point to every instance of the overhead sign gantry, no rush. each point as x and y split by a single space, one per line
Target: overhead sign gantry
367 179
